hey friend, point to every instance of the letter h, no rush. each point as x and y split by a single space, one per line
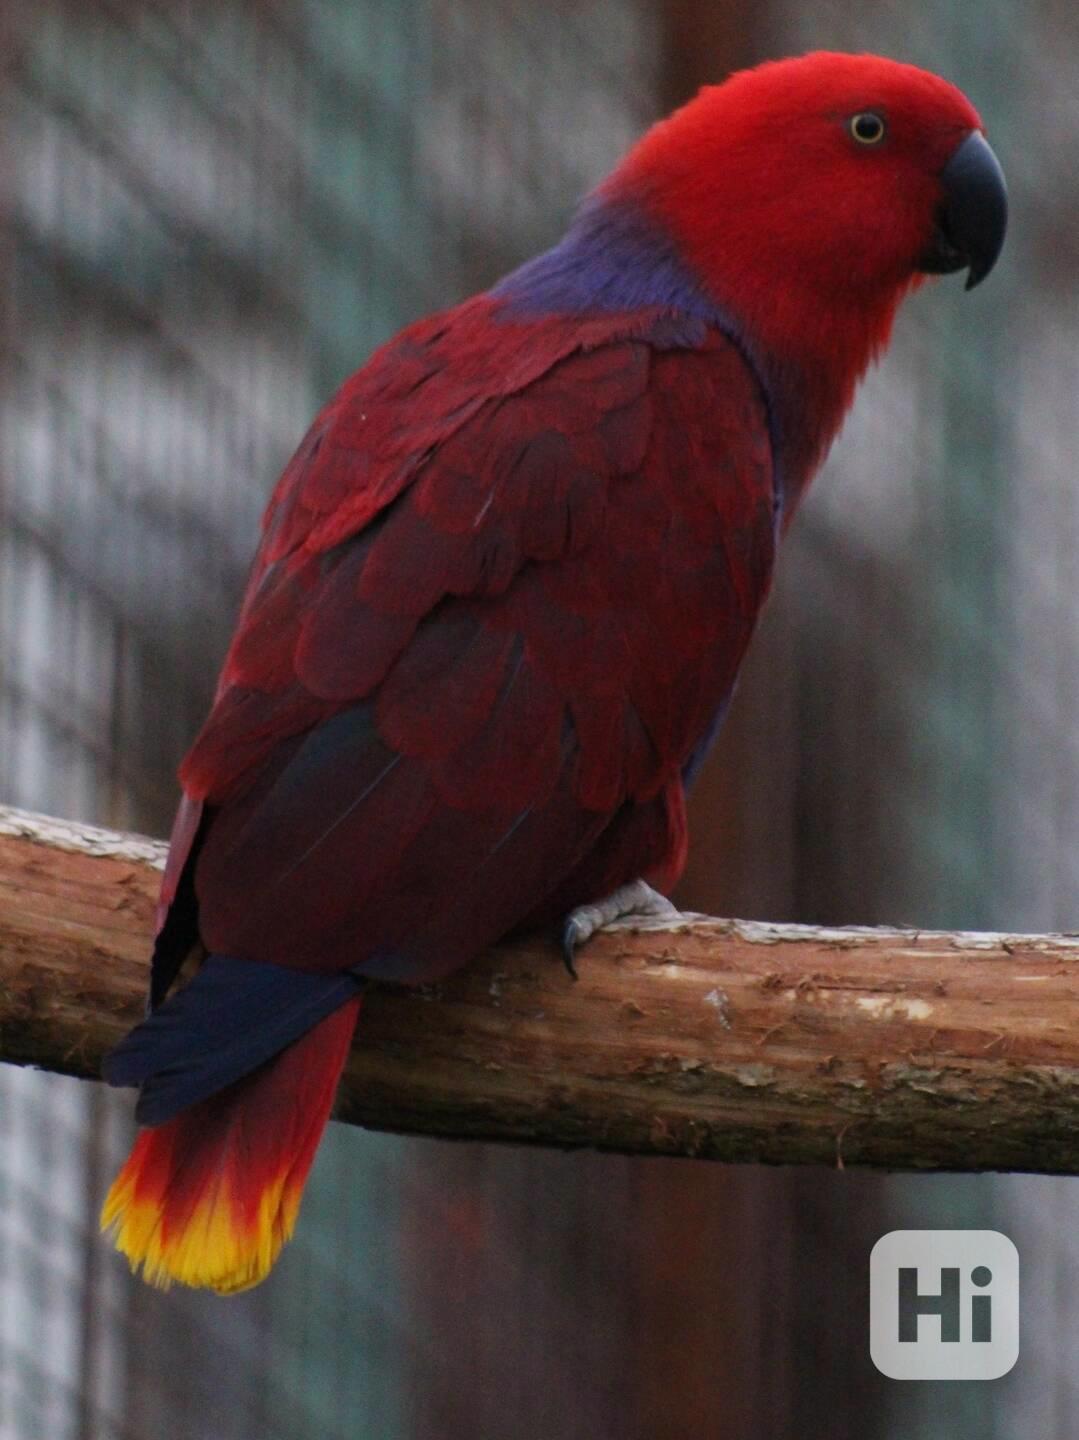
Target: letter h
912 1304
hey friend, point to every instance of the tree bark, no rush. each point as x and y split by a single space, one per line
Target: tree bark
721 1039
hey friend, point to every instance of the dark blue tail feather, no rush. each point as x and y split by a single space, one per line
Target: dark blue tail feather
230 1018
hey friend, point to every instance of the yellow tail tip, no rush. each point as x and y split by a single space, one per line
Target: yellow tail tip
209 1197
219 1245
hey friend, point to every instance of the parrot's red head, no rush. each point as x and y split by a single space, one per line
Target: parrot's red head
810 194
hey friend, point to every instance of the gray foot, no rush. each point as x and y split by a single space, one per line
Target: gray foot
636 898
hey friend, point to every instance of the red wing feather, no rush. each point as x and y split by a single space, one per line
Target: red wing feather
504 585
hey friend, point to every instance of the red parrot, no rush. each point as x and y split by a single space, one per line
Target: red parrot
501 598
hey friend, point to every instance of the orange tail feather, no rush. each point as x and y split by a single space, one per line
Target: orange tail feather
209 1197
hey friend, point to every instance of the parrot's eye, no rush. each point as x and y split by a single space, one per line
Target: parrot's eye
867 128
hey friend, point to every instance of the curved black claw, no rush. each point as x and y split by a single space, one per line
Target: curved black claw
570 935
634 899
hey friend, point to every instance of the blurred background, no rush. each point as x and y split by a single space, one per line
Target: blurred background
209 214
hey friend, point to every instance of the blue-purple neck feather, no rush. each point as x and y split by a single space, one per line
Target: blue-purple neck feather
611 258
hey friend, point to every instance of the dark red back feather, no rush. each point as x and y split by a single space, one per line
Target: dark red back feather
504 586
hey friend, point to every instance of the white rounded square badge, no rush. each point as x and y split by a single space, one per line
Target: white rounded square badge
944 1304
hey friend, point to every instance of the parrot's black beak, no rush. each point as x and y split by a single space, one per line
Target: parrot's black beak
973 216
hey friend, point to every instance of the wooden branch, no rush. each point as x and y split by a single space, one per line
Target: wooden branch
716 1038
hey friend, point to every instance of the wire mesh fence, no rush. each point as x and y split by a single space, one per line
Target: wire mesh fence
210 214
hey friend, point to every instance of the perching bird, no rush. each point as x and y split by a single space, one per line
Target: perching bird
502 595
